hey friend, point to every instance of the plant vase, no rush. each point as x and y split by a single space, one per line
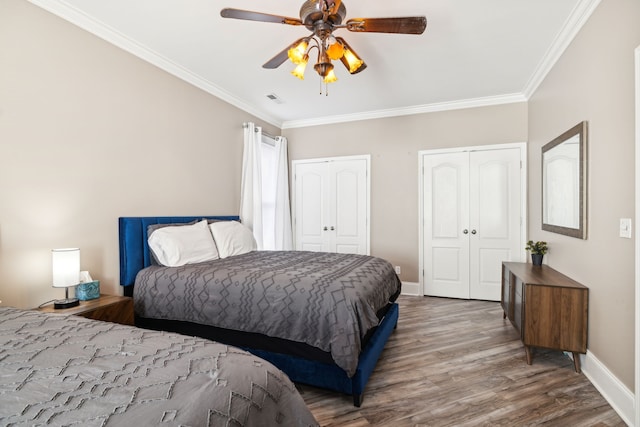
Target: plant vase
536 259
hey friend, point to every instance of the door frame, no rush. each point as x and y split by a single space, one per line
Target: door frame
367 158
523 189
637 242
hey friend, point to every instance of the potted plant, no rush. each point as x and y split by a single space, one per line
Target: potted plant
537 249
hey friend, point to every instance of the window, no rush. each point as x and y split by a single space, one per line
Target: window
269 167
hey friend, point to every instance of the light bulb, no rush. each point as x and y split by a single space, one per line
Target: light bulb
296 53
300 68
330 77
335 51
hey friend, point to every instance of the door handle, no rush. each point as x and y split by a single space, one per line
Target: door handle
473 231
332 228
325 228
465 231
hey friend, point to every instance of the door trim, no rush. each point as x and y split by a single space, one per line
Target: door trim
637 242
523 189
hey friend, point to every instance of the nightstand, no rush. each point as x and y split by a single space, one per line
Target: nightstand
109 308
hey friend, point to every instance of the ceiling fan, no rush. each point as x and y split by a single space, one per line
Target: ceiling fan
322 18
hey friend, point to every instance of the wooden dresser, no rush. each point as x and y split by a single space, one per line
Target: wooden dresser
547 308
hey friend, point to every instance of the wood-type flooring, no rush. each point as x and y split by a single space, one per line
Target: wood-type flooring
459 363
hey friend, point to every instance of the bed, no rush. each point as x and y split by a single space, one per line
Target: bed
58 369
342 359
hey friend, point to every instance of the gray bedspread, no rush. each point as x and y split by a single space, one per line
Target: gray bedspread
326 300
67 370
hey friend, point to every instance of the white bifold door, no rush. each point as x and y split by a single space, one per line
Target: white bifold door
331 204
472 220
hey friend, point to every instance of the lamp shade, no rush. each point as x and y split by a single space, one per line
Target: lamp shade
66 267
330 77
350 59
297 52
299 70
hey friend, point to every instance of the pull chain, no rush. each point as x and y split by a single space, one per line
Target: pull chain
326 88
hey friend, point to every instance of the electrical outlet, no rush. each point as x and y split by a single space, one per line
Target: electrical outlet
398 270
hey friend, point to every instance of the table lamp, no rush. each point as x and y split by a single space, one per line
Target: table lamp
66 273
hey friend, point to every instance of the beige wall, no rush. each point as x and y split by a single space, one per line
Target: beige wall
594 81
89 133
393 144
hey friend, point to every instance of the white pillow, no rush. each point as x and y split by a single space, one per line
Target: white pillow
232 238
180 245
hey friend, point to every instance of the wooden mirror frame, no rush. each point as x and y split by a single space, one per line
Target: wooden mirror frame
580 232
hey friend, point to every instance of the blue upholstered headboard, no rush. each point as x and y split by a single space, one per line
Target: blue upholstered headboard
132 237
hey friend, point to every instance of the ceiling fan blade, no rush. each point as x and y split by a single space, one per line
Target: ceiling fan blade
281 57
406 25
258 16
277 60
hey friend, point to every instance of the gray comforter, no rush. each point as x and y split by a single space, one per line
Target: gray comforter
326 300
68 370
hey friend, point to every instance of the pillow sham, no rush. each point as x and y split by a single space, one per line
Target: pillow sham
174 246
232 238
153 227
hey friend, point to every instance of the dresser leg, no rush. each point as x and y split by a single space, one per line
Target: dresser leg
504 314
527 350
576 362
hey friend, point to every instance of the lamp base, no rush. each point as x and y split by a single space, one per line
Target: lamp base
66 303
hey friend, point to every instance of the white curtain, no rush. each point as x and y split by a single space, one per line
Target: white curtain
251 186
264 205
283 237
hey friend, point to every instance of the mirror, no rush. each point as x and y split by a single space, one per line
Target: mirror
564 183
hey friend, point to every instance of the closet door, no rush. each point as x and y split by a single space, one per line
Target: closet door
472 208
446 229
331 205
347 206
311 207
495 216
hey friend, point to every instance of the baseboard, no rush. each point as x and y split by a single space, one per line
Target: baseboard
621 399
411 288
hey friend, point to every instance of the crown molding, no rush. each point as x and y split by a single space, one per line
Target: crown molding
406 111
578 17
580 14
99 29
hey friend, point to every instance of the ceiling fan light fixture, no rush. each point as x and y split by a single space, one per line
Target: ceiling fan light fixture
323 68
297 52
330 77
335 50
301 67
324 65
350 59
322 17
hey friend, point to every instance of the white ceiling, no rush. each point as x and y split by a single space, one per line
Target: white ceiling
473 52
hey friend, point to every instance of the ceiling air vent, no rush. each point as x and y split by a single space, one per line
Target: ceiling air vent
275 98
